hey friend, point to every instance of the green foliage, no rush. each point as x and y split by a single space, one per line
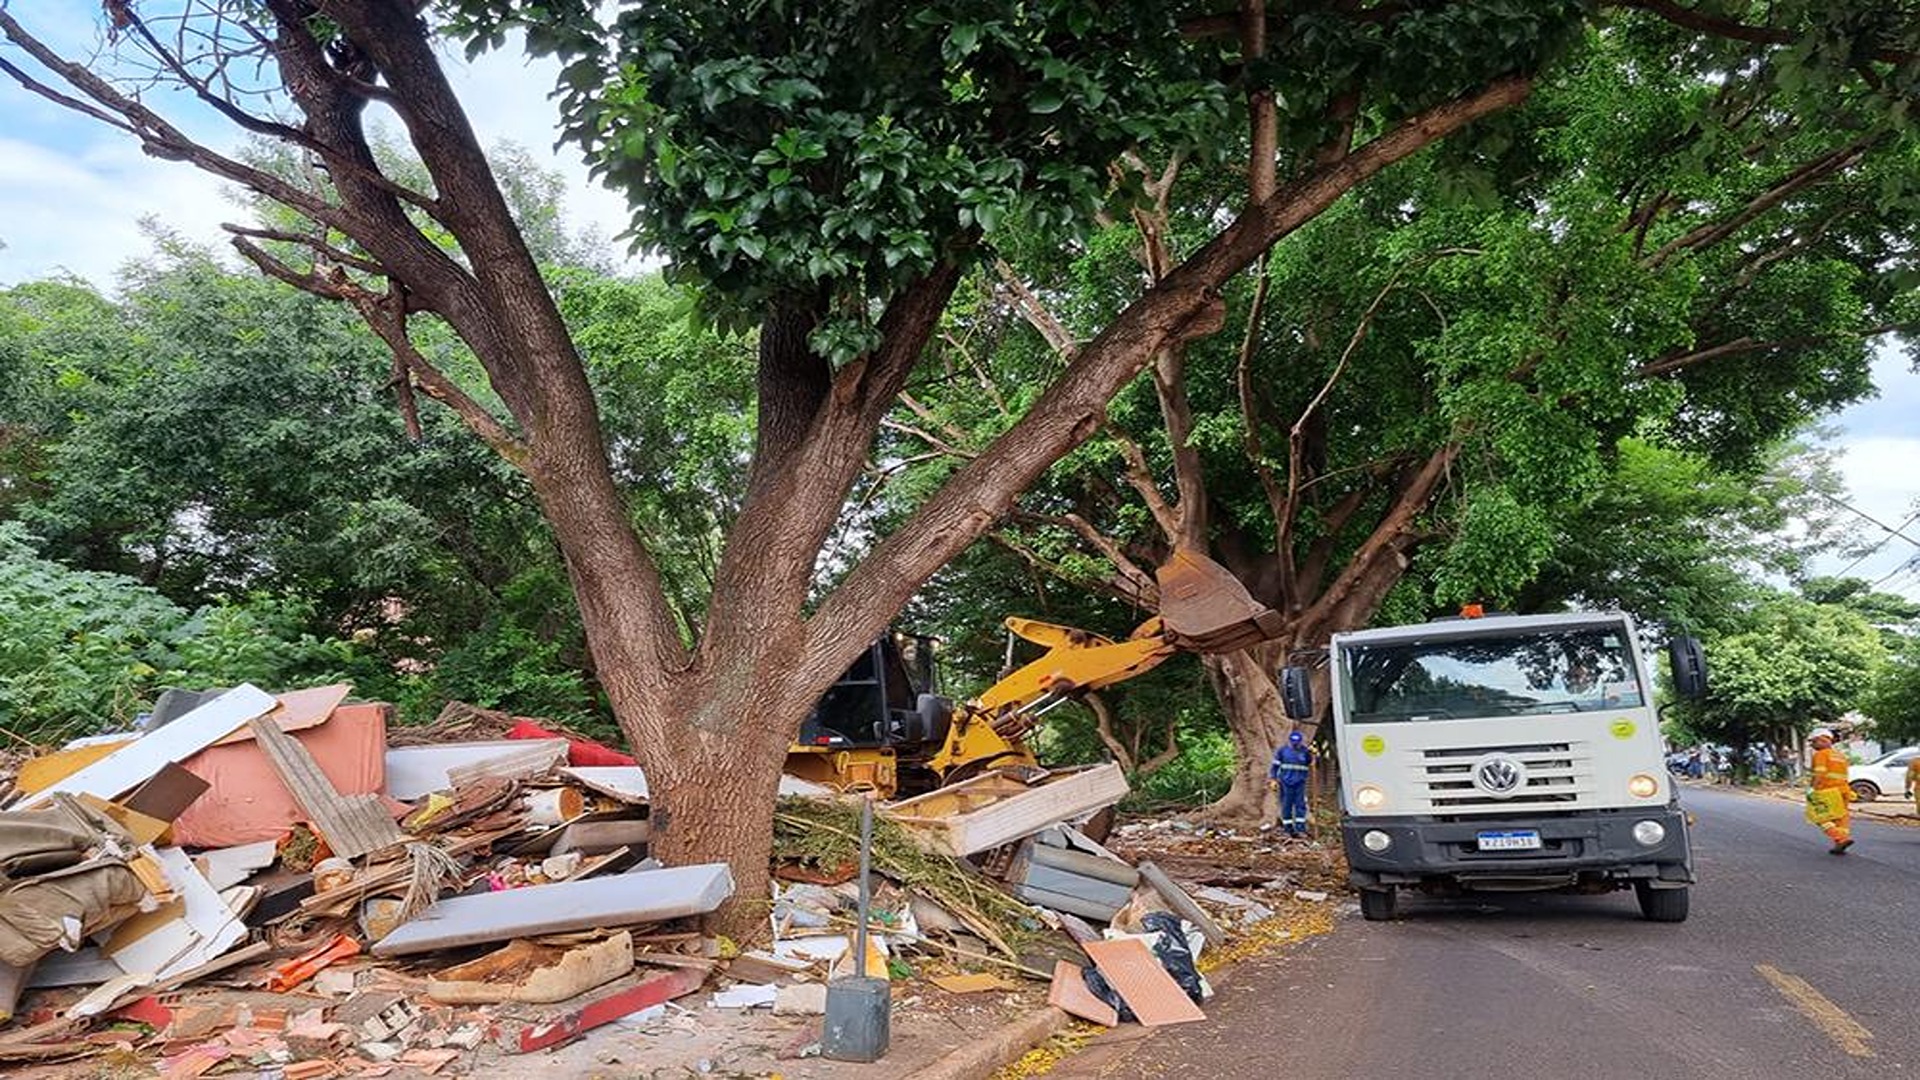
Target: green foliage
1201 774
1793 666
1894 698
82 650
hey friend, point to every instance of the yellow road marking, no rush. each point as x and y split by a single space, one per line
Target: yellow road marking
1846 1032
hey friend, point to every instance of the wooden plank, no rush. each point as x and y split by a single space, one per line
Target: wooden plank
1070 995
533 757
340 901
414 771
989 811
1136 975
352 825
137 761
1182 904
601 903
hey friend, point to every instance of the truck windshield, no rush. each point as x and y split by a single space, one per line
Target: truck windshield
1569 671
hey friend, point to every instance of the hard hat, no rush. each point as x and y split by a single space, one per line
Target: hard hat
1821 733
1296 737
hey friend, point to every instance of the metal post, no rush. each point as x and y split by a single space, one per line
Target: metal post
859 1008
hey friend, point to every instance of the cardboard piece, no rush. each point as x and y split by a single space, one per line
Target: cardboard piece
971 983
525 971
248 802
1136 975
622 900
1069 994
136 762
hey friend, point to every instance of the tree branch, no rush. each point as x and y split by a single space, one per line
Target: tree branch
1716 26
1139 475
1809 173
1036 313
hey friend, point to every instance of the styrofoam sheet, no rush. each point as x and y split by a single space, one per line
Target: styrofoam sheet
622 900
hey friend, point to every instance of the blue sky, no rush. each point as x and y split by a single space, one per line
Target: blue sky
74 194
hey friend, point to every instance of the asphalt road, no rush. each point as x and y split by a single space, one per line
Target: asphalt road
1793 963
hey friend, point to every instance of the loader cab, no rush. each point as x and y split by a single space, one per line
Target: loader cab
886 698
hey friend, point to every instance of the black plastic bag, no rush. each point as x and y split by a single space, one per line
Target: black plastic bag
1170 948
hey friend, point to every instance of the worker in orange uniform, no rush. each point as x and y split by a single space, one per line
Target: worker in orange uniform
1830 774
1913 783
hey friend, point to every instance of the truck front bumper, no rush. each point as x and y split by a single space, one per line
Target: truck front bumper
1591 846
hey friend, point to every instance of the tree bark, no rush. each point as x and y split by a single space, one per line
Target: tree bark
1249 697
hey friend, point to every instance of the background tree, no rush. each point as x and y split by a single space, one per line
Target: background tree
1794 666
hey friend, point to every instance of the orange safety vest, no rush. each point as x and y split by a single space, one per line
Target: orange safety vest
1829 768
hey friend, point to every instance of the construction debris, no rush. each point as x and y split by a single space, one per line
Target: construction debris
295 845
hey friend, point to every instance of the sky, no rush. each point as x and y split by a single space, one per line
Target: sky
75 197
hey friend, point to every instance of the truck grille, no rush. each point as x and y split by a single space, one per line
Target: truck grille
1557 775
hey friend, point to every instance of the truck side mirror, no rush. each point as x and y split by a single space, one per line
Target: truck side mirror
1689 662
1296 693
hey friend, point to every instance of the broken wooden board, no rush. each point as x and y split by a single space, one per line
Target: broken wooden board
988 811
1136 975
973 982
352 825
1182 904
622 900
651 990
525 971
534 757
299 709
1068 993
137 761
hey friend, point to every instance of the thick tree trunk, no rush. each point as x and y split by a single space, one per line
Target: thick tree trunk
1250 699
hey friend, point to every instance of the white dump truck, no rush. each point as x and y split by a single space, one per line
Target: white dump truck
1505 753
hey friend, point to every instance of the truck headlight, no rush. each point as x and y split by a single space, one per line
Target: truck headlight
1376 841
1649 833
1642 786
1369 797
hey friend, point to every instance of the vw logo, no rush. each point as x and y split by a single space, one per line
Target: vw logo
1499 776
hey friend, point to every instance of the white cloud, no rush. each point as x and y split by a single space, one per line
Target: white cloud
80 211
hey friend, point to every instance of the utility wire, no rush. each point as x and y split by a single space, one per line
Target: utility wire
1870 552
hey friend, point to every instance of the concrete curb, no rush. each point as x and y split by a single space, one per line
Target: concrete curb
997 1049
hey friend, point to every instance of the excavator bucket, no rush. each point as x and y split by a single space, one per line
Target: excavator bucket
1207 610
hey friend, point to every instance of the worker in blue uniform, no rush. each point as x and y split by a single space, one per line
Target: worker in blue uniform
1288 772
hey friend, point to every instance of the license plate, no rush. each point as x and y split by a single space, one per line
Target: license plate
1517 840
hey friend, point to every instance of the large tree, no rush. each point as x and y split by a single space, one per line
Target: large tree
1533 375
827 173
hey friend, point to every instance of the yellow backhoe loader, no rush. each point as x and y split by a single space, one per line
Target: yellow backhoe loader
883 728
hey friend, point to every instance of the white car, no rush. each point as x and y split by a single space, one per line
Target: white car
1886 775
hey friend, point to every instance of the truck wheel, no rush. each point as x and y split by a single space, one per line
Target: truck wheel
1376 905
1661 905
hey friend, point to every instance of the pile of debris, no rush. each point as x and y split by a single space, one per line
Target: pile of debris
269 840
372 903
